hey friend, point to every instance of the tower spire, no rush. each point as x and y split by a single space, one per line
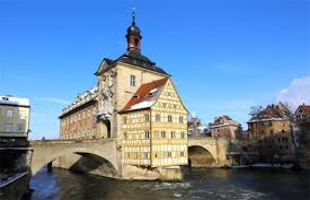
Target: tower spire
133 14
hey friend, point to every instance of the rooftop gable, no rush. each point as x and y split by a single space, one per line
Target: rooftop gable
146 96
303 109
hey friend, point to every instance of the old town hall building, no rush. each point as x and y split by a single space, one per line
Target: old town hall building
135 102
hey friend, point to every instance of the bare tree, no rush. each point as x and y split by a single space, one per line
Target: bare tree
290 107
255 110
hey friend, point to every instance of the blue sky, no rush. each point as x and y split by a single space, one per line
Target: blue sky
224 56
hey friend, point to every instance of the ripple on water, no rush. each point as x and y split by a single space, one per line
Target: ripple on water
170 186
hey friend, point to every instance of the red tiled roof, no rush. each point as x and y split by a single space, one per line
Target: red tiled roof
143 95
306 108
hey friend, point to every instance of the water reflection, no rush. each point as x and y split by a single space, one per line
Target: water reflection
198 184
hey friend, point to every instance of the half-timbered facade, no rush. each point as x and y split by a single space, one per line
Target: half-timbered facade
154 126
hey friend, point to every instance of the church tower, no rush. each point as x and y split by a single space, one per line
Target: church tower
133 36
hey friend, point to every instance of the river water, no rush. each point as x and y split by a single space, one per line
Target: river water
213 184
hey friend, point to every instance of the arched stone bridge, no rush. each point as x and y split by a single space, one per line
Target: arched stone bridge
203 149
107 155
47 151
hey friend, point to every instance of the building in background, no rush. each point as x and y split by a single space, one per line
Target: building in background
270 133
225 127
15 153
301 134
14 115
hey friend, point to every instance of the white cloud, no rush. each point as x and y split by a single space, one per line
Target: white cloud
298 92
53 100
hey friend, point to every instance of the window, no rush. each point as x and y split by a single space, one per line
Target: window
8 127
156 155
9 113
19 127
182 135
163 134
182 154
169 118
169 154
136 41
124 120
180 119
125 135
164 105
157 117
146 118
270 123
132 80
283 131
146 134
286 147
172 134
146 155
21 114
271 132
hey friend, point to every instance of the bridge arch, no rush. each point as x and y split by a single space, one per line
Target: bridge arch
47 152
200 156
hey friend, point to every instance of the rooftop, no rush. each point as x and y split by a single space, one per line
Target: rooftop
146 96
11 100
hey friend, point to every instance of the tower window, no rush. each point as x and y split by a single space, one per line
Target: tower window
136 41
132 80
